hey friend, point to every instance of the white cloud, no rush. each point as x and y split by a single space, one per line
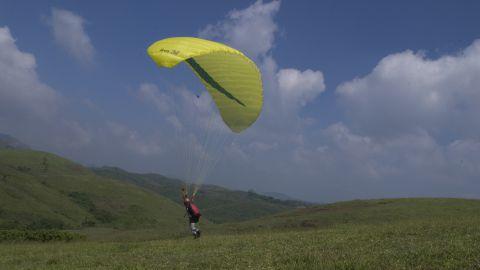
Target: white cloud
346 165
251 30
407 91
68 31
297 87
21 92
29 108
464 156
132 140
181 107
149 92
411 130
263 146
37 114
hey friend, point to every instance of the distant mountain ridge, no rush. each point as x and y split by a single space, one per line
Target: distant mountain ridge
219 204
279 196
9 142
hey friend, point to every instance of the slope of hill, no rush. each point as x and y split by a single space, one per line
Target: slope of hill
366 212
217 204
42 190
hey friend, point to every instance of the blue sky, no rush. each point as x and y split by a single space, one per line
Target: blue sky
383 94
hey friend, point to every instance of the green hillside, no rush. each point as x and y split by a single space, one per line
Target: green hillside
42 190
218 204
373 234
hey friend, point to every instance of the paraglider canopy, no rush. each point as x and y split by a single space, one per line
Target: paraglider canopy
231 78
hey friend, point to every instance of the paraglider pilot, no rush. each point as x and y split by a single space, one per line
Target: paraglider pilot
193 213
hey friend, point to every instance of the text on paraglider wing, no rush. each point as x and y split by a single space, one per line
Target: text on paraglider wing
174 52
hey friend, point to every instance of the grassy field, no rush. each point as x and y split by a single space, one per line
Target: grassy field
377 234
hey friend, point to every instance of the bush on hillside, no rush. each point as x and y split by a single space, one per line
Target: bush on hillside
39 235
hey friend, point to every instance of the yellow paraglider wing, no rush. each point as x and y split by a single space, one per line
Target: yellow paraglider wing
231 78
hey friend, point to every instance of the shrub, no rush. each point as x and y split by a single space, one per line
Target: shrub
46 224
39 235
